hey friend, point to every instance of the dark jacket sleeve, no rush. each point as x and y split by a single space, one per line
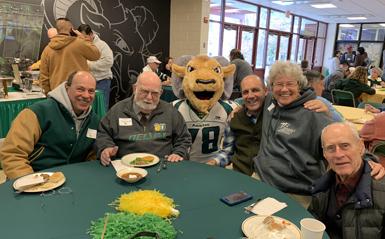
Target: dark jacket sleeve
181 137
104 137
368 90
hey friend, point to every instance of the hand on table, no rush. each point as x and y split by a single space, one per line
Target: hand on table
371 108
174 158
378 172
107 153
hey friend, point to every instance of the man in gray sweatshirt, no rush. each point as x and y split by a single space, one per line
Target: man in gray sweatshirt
143 123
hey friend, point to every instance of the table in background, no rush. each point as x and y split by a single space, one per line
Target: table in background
17 101
379 97
355 115
196 189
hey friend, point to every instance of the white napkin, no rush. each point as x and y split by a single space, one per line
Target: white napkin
268 206
118 165
29 180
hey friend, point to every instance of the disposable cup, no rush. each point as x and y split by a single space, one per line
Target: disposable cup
312 228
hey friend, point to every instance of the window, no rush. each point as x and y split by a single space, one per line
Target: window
280 21
296 25
229 40
263 17
241 13
319 52
372 32
348 31
260 49
215 10
247 42
322 30
293 52
308 28
280 35
213 42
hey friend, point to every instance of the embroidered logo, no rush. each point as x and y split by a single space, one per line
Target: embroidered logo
159 127
284 128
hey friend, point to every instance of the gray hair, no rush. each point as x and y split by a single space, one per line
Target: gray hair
349 125
377 69
288 69
313 77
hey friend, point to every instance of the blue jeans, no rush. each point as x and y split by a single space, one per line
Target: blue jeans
104 86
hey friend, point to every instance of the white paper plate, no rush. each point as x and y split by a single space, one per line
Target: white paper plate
38 188
129 158
254 228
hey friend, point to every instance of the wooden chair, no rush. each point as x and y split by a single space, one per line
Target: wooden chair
343 97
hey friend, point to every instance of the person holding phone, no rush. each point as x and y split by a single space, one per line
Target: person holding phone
65 54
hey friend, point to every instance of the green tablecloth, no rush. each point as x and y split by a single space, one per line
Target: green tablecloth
196 189
10 109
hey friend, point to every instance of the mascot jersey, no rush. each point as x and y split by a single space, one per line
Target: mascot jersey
206 131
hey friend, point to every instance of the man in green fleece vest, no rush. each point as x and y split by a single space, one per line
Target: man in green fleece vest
244 128
53 132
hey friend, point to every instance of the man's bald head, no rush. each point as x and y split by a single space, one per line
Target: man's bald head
147 91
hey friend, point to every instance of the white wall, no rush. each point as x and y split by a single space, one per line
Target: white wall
188 32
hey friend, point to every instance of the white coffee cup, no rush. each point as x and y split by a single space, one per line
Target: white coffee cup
312 228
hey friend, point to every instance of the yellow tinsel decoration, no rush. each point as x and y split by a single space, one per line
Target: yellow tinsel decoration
147 201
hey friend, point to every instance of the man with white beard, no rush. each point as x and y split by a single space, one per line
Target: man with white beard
143 124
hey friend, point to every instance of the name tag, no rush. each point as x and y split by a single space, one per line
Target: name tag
125 122
271 107
91 133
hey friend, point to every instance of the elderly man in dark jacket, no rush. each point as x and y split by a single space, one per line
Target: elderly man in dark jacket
347 199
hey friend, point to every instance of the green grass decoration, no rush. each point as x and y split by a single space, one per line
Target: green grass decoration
124 225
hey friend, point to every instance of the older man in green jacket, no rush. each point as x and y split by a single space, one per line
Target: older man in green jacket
57 131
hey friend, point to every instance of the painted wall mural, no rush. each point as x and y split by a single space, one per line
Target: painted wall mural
133 29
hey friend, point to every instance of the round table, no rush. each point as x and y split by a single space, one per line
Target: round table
355 115
196 189
379 97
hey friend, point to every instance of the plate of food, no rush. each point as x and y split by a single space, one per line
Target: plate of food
39 182
269 227
140 160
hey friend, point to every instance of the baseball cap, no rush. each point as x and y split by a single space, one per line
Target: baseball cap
153 59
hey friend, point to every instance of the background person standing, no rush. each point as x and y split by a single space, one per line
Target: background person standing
100 69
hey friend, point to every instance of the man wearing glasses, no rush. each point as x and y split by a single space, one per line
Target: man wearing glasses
143 123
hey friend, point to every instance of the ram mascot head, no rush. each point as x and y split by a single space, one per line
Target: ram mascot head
202 80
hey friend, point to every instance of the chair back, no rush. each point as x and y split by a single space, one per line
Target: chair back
378 148
343 97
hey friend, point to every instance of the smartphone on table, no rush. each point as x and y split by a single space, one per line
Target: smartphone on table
236 198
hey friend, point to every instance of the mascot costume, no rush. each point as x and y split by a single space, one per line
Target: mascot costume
202 84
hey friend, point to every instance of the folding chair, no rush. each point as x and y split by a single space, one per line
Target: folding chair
343 97
378 148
